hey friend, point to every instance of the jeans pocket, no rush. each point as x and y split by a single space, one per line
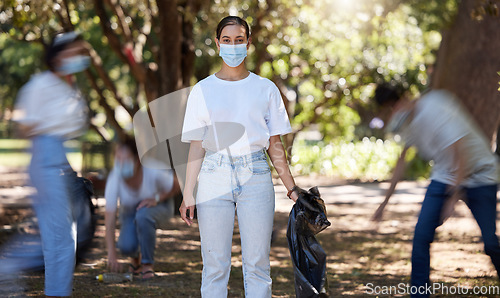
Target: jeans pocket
259 167
208 166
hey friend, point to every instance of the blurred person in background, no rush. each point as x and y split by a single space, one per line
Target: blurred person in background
146 203
464 168
50 110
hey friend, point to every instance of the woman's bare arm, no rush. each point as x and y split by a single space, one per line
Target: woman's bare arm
195 159
396 177
109 221
278 157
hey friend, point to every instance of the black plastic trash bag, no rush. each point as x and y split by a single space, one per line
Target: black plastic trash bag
307 218
85 214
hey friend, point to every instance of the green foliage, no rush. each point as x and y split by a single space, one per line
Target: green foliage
326 56
366 160
15 153
416 168
327 53
27 29
433 15
498 82
18 61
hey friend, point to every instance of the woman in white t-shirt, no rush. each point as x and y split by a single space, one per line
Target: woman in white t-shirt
145 205
49 110
232 118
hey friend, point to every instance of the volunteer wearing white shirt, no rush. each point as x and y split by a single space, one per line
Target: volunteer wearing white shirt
145 205
232 118
464 167
50 110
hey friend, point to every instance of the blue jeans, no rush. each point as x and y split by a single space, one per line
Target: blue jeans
24 252
52 177
138 229
482 202
243 185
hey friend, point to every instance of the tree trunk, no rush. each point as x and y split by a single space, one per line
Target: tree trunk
467 65
170 44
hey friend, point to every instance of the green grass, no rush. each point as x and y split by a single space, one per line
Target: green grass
16 153
368 160
10 144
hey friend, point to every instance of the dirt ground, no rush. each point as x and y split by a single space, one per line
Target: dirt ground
361 255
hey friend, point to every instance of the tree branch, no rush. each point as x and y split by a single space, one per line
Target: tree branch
70 26
154 26
143 33
139 72
97 63
109 111
119 13
113 39
99 130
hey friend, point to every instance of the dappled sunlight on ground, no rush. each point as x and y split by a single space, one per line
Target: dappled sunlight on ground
359 251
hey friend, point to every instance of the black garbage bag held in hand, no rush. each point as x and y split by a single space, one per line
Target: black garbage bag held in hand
307 218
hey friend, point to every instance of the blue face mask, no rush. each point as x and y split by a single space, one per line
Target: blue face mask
233 54
398 121
74 64
126 169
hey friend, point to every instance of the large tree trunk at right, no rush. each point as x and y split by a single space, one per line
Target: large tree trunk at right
467 65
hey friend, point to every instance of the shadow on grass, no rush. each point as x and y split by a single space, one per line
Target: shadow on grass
359 255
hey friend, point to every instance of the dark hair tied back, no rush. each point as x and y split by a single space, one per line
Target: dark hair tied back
130 144
59 42
387 94
232 20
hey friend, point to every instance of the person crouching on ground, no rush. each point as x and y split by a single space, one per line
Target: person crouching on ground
146 204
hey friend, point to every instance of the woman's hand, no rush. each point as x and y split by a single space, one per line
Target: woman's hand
187 204
195 159
113 264
449 204
147 203
377 216
294 196
277 155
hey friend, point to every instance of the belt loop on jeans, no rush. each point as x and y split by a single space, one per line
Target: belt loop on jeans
219 162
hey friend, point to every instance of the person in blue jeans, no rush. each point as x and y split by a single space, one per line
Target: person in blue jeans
146 204
464 168
233 117
50 110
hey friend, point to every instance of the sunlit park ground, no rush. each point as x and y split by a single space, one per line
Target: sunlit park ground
361 255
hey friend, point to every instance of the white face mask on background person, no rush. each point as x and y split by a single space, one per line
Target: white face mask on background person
74 64
233 54
397 121
126 169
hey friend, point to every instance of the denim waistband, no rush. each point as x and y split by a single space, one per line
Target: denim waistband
220 158
47 138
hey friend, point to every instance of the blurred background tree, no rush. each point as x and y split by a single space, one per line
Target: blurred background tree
326 56
140 50
468 62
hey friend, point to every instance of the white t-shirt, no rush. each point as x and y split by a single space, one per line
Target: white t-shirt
51 106
153 181
439 121
239 115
